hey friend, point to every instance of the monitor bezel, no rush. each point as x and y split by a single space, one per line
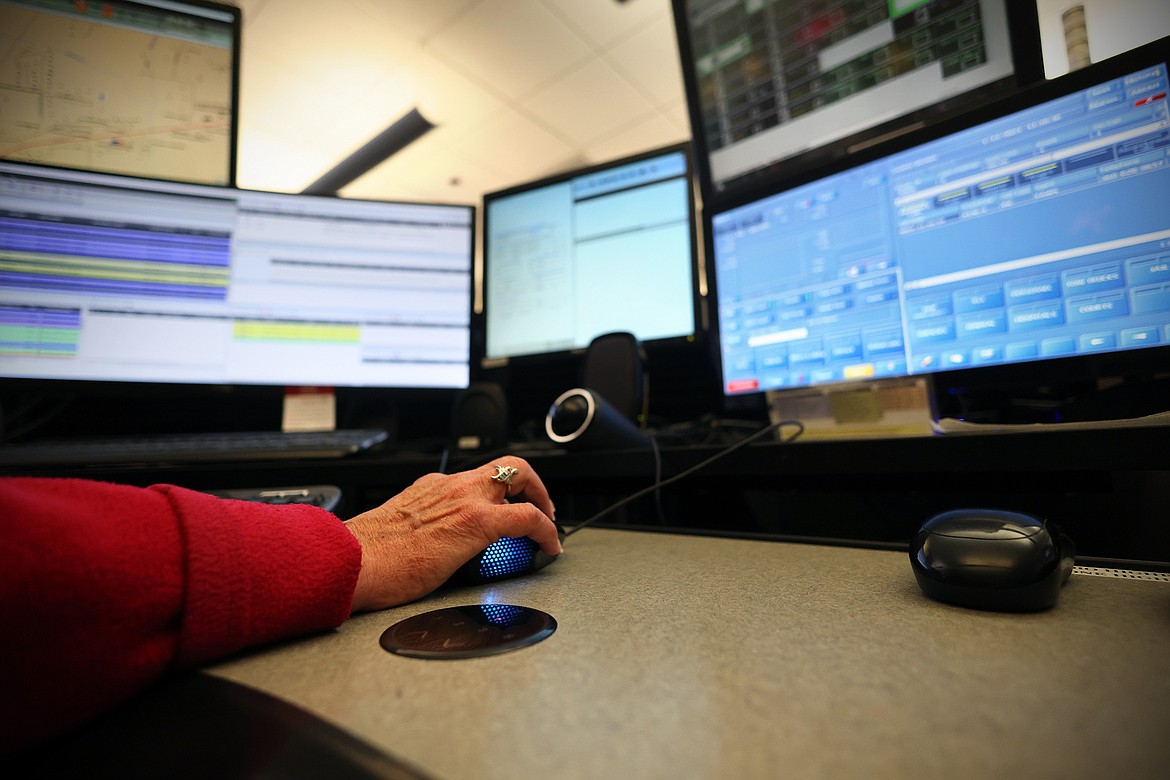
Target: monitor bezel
1027 65
236 24
480 303
1085 369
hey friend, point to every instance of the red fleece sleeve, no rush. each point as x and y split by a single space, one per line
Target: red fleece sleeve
105 588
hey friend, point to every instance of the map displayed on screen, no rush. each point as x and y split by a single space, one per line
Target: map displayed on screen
118 87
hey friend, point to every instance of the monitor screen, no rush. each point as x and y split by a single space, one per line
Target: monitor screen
114 278
1040 234
605 249
768 81
146 88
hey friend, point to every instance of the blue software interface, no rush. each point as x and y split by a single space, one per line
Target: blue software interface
1038 235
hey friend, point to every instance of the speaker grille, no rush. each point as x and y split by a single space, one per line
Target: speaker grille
507 556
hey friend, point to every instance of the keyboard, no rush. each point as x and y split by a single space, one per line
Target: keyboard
193 447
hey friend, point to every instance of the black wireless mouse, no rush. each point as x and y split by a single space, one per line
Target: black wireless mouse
991 559
503 559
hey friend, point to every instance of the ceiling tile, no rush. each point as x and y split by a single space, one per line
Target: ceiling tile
427 170
678 116
334 122
589 103
270 99
519 89
414 18
269 161
512 48
450 99
347 61
249 8
650 134
604 21
515 145
307 35
649 58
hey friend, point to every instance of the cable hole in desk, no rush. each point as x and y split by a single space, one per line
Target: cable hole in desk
469 631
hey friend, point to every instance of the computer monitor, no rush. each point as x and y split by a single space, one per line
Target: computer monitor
1034 230
776 87
146 88
598 250
109 278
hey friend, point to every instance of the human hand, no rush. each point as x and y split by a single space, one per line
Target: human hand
412 543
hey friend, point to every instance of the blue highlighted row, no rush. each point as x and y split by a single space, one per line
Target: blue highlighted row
42 316
110 287
123 243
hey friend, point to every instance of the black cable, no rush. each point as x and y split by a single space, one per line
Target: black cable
660 483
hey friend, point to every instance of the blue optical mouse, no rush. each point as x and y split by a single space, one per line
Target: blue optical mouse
503 559
991 559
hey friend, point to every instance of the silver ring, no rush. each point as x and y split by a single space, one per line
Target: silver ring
504 475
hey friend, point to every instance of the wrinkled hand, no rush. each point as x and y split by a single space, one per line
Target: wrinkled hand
416 540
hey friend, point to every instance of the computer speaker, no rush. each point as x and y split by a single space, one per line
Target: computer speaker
479 420
615 367
582 418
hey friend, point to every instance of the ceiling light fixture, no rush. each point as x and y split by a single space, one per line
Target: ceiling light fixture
393 139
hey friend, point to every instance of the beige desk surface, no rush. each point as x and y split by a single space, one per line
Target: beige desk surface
687 657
